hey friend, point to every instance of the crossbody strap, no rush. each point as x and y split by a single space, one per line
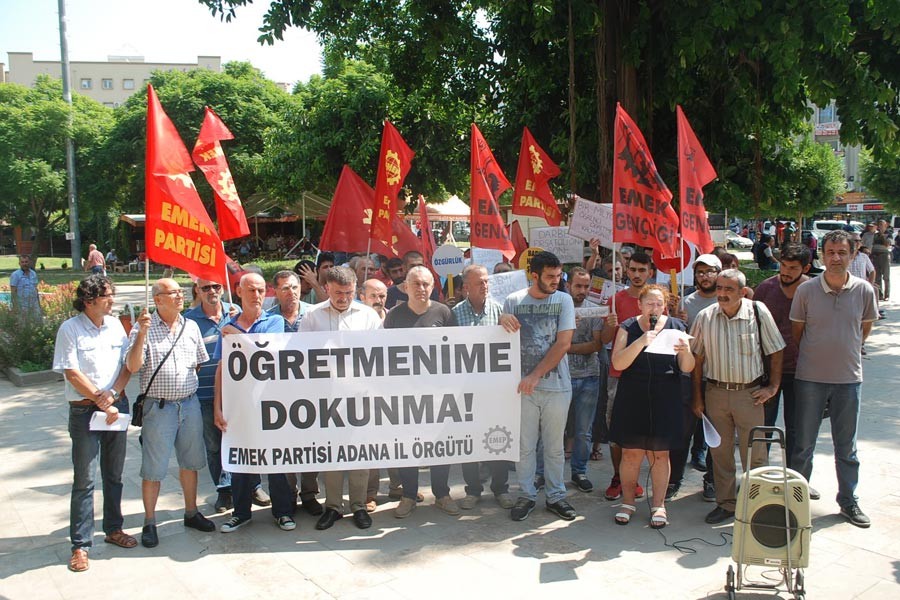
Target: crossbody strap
178 337
759 334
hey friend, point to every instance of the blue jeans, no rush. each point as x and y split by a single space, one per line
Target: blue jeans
810 403
212 439
284 500
585 393
89 448
543 418
790 402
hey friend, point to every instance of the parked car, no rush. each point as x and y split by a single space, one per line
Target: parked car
733 240
820 228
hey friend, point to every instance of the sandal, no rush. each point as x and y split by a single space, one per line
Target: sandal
120 539
597 454
79 561
622 517
658 517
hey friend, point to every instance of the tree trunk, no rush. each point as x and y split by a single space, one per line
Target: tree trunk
572 155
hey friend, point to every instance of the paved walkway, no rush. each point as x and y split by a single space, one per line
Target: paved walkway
482 554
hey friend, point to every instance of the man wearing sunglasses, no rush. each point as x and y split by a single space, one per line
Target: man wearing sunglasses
210 316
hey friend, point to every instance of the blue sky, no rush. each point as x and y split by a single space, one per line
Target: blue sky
158 30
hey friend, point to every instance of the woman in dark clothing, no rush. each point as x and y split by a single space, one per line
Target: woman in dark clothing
646 419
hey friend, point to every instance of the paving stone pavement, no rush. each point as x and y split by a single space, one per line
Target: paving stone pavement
480 554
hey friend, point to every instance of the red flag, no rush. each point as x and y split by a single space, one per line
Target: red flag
350 220
488 183
533 196
209 157
642 208
694 171
518 240
394 162
427 236
179 232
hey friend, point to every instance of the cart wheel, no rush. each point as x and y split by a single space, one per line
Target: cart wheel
798 583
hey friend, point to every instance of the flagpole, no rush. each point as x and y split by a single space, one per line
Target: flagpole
146 281
227 282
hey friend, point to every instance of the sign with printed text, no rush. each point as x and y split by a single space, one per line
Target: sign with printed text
592 220
602 290
501 285
527 255
448 260
334 401
557 240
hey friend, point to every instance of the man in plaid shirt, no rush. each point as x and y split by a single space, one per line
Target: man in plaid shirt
172 417
479 310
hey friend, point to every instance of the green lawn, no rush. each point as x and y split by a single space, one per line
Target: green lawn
54 274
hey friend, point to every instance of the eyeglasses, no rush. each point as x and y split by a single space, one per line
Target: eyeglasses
208 288
172 293
706 273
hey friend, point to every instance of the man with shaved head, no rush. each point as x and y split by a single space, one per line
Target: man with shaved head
374 295
252 293
168 349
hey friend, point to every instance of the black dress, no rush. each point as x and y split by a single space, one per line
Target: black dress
647 414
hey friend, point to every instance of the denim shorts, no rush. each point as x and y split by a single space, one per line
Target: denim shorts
177 426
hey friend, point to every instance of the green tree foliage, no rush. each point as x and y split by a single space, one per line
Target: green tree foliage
34 126
246 101
745 72
882 179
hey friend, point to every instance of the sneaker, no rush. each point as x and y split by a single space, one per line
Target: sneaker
671 490
224 502
709 491
469 502
521 509
505 501
448 505
614 491
719 515
233 524
286 523
405 508
582 482
539 483
699 464
562 509
856 516
261 498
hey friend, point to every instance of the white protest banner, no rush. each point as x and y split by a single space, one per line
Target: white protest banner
333 401
501 285
592 220
557 240
486 257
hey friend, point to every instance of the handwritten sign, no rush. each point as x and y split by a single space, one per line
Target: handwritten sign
502 285
558 241
588 312
592 220
486 257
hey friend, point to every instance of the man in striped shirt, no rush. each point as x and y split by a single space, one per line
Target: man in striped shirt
730 339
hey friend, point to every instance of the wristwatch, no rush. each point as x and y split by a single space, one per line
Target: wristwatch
115 394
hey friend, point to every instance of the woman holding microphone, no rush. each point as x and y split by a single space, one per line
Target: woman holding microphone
647 419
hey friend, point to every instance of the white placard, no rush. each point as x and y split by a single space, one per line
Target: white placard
448 260
333 401
486 257
589 312
501 285
557 240
665 340
98 422
592 220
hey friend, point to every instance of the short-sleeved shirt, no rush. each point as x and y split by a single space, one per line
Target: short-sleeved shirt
541 319
861 266
769 292
210 332
265 323
26 289
694 303
95 259
586 365
325 317
295 326
731 345
436 315
830 349
466 316
97 352
177 378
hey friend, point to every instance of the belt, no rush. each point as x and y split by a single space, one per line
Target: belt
162 401
83 402
734 387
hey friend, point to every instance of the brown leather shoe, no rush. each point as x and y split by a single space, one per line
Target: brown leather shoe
79 561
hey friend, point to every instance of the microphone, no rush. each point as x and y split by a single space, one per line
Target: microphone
654 319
